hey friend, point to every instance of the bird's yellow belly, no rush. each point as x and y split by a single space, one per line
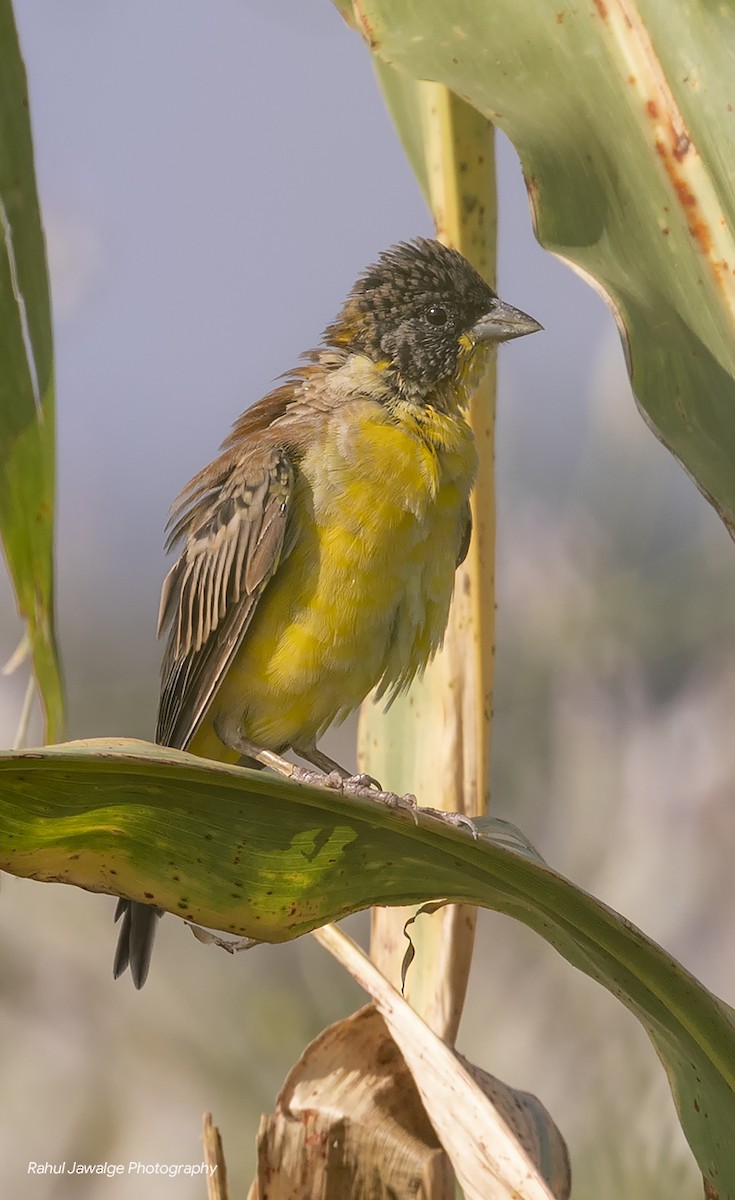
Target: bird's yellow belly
363 596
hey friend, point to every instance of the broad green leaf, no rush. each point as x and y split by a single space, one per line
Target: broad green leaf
26 380
256 856
623 113
405 98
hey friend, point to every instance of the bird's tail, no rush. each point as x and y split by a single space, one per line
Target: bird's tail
138 929
135 942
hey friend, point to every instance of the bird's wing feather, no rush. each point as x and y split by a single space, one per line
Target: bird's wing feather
233 520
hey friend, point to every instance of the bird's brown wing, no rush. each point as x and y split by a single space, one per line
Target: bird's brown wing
233 519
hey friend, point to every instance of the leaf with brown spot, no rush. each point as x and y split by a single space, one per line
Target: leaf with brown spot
620 115
315 855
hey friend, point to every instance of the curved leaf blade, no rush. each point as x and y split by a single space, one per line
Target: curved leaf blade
256 856
623 115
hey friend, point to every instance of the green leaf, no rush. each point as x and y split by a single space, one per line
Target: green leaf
623 114
404 99
256 856
26 380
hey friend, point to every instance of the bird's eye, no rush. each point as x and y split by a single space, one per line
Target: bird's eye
437 315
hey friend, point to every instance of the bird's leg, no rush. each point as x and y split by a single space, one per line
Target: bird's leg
329 773
350 783
365 785
231 736
335 776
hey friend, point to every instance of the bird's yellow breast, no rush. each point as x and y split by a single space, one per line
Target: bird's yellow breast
362 596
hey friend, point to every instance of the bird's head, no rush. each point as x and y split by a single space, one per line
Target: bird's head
424 313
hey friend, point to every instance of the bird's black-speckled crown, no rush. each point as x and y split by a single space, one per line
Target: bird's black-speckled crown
394 310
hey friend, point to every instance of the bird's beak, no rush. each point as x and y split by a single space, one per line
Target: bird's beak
503 322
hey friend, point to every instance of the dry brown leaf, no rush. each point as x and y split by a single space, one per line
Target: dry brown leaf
482 1143
349 1122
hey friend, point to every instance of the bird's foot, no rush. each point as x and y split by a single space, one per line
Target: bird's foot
309 775
458 820
361 785
355 785
365 785
406 803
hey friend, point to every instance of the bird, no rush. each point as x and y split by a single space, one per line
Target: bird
318 550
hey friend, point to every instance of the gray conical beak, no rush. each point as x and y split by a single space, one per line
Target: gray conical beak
503 322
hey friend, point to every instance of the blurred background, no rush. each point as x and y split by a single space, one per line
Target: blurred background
213 177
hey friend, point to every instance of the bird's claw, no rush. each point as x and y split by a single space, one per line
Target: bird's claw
458 820
309 775
353 785
356 785
407 803
361 785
